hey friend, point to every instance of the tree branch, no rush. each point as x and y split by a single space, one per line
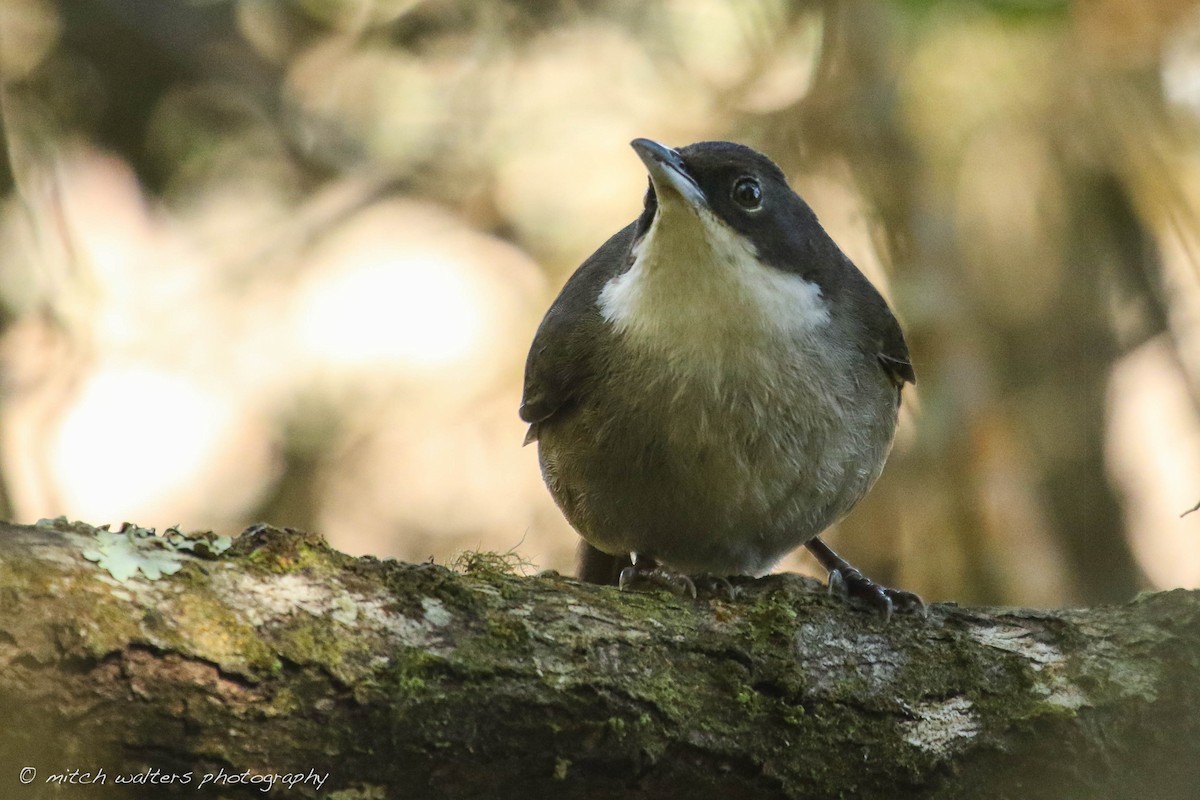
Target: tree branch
280 656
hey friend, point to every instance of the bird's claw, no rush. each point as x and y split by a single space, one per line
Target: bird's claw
677 583
856 587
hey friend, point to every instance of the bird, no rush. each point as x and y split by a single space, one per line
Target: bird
717 384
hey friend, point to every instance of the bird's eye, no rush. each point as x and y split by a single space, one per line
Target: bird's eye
747 193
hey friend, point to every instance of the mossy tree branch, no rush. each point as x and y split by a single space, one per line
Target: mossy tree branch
280 655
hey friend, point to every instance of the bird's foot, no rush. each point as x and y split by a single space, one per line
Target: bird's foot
649 574
858 588
846 580
654 576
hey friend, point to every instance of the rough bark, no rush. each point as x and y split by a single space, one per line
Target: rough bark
282 656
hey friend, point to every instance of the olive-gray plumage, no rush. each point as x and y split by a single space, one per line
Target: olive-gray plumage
718 383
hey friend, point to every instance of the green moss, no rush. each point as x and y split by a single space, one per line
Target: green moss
286 560
114 627
794 715
283 701
414 672
411 684
216 633
509 630
411 584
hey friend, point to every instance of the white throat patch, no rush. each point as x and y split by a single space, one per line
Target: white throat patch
696 285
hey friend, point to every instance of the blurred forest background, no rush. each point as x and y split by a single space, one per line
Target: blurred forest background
281 260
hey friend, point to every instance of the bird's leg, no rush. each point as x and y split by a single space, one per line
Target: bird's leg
593 565
846 579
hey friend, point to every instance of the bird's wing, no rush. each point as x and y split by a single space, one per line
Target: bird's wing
893 354
562 360
879 336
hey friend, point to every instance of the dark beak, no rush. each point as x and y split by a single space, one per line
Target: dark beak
668 173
